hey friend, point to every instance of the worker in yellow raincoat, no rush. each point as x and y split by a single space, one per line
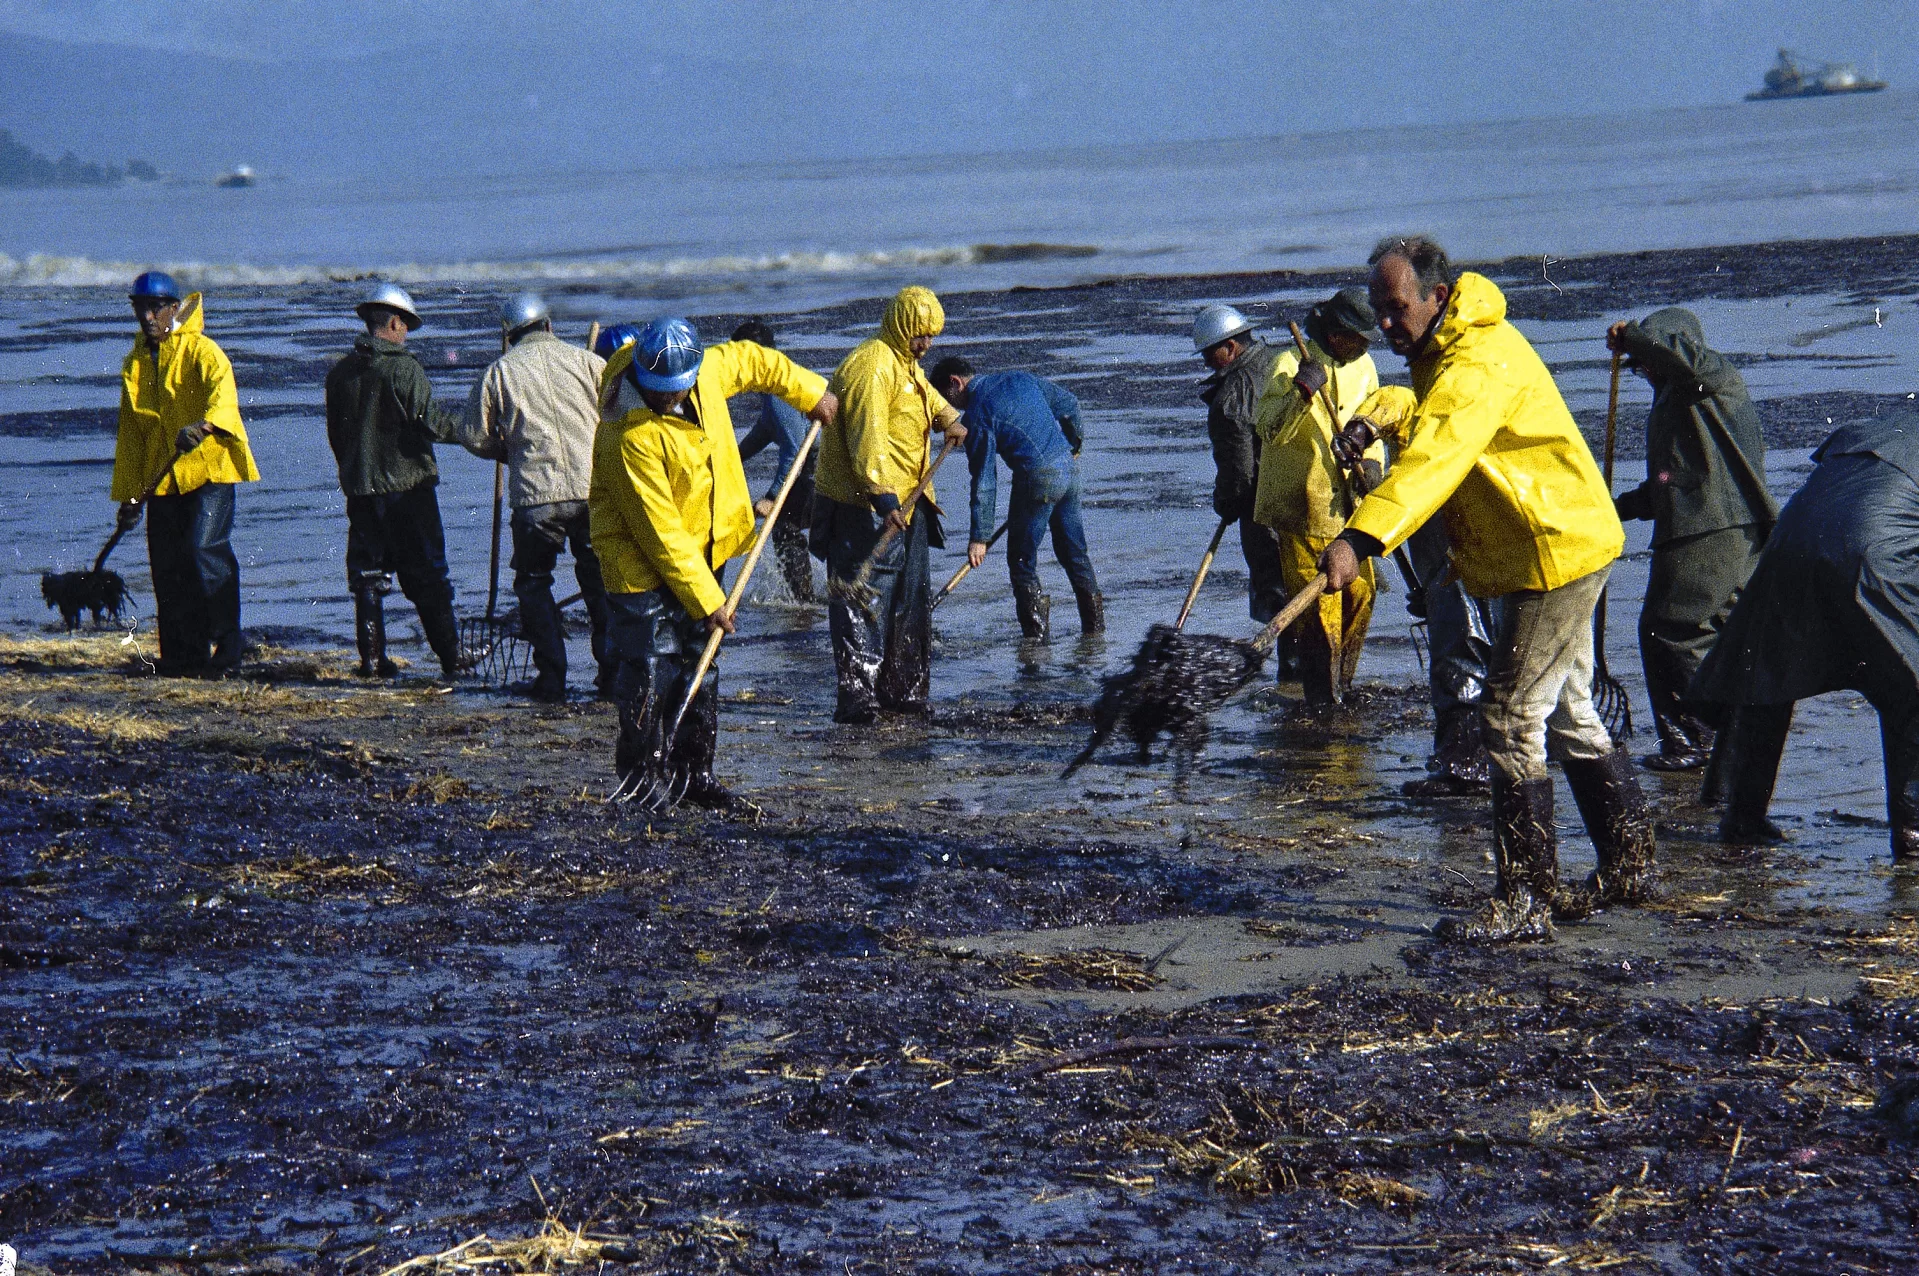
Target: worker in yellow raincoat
180 425
1493 449
669 505
871 458
1304 493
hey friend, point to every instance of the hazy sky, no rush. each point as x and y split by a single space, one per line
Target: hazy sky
449 85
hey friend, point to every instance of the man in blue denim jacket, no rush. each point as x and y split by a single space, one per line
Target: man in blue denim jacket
1034 426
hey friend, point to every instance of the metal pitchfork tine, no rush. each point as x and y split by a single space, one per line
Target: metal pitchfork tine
856 592
650 783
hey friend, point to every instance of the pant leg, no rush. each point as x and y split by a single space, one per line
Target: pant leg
1069 537
216 570
1459 627
586 572
1027 514
790 536
643 648
416 545
1264 575
1334 624
858 632
906 676
1539 692
179 613
539 534
1690 592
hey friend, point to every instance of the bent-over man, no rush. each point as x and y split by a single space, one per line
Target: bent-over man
778 425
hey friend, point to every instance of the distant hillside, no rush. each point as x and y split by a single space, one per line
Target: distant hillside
21 165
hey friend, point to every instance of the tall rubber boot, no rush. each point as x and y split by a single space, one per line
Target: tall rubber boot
443 635
1092 613
1614 808
1318 673
1035 609
544 630
1459 763
691 759
1685 743
1897 739
1754 742
369 628
1526 851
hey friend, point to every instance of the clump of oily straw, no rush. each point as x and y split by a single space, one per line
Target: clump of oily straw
1176 680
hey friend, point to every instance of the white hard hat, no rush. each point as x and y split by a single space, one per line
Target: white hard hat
1216 324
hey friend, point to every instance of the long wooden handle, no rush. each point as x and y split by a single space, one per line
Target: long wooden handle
1199 577
739 586
1291 612
1612 419
499 498
909 505
967 566
593 335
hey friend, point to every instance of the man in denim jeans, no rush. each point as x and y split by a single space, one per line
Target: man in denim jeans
1034 426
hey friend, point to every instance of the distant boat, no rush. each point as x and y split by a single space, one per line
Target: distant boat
1792 76
242 175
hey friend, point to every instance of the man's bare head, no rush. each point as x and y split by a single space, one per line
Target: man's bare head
1411 284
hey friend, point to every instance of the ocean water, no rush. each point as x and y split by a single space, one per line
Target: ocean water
791 237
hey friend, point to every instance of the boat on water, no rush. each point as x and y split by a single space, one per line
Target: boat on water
1794 76
241 176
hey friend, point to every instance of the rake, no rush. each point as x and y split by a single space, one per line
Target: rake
1609 697
857 592
966 567
1178 679
651 784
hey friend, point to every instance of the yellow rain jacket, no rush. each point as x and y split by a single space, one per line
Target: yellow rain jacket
668 498
1494 449
187 381
878 443
1301 489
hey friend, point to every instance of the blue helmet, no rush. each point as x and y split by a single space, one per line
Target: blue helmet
667 357
156 283
613 338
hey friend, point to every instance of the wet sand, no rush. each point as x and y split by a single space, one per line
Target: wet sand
307 974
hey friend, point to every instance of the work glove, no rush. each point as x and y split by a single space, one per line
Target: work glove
129 515
1309 380
1350 444
190 437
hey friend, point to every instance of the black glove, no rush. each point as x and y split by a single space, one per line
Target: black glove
1350 444
190 437
1309 380
129 515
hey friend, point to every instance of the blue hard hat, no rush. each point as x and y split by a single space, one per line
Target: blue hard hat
613 338
667 357
155 283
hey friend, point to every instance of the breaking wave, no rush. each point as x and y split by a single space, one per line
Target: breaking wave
49 271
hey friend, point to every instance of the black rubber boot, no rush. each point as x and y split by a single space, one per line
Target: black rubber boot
443 635
1614 808
1685 743
1035 610
789 543
1458 764
1092 613
691 760
1755 741
544 630
1318 673
369 628
1526 851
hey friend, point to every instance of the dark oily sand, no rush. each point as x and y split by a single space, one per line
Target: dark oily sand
305 975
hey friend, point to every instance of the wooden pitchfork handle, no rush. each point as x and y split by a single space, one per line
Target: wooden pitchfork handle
1293 610
1199 577
910 504
1612 419
967 566
739 586
499 498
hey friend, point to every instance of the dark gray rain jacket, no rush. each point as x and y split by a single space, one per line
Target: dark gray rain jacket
381 420
1834 601
1232 402
1705 454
